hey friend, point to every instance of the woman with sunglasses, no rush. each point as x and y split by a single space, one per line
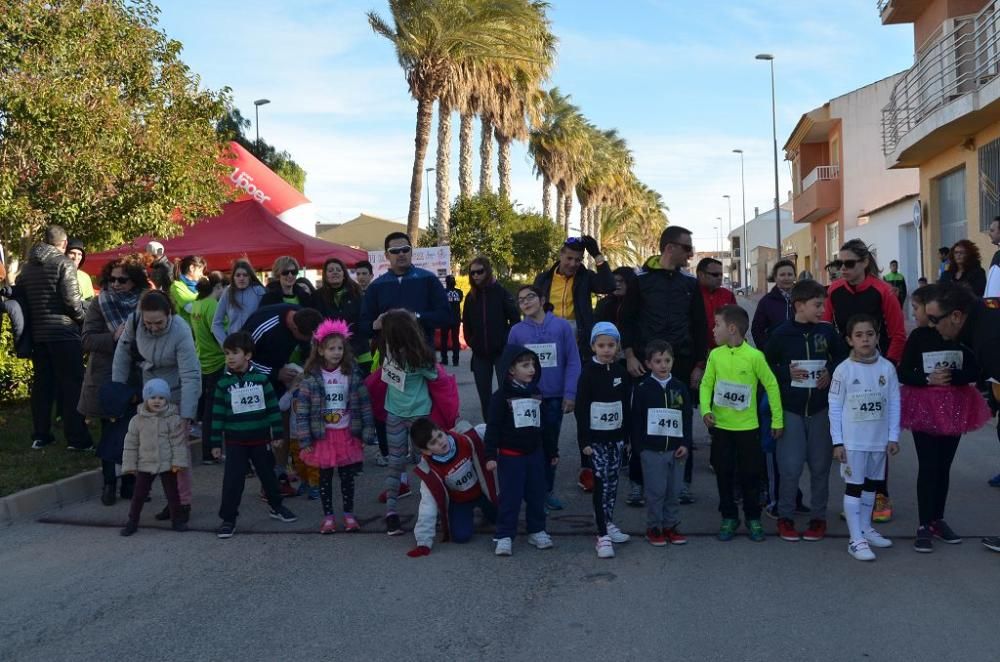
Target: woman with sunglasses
239 300
776 306
284 285
965 267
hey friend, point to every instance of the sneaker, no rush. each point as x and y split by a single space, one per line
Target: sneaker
605 550
283 514
883 509
82 449
210 461
350 523
943 532
404 491
876 539
285 488
655 537
861 551
635 498
313 494
381 460
801 508
786 530
727 531
226 530
992 542
586 480
686 498
392 526
756 530
541 540
995 481
772 511
329 525
924 541
674 537
552 502
129 528
816 530
504 546
617 535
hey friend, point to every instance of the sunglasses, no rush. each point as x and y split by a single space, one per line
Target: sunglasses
935 319
846 264
477 272
687 247
290 272
120 281
400 250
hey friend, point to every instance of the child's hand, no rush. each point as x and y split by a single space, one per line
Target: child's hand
491 465
681 452
216 453
796 373
277 443
568 406
839 454
588 451
777 432
554 461
709 419
418 551
893 448
940 377
823 382
175 468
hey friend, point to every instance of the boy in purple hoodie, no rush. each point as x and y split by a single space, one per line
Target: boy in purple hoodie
554 341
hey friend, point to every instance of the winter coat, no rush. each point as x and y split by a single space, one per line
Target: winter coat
975 278
230 318
309 396
154 443
51 288
585 284
487 317
501 433
417 290
772 310
874 297
100 344
348 308
797 341
273 294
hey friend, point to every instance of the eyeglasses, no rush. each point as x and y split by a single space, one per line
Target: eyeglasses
477 272
846 264
935 319
121 281
399 250
687 247
290 272
527 297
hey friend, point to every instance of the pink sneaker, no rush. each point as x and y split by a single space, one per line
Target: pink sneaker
329 524
351 524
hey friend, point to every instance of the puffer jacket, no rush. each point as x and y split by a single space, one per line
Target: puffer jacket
52 290
154 442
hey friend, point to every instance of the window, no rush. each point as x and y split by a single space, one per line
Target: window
989 183
833 239
950 191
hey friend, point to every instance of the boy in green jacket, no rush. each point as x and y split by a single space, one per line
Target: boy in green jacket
728 397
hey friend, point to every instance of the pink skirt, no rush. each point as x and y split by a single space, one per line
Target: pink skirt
337 449
947 411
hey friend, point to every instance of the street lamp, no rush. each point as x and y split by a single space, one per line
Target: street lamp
256 122
729 230
427 177
718 236
774 130
744 256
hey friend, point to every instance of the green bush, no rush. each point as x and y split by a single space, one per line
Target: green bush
15 373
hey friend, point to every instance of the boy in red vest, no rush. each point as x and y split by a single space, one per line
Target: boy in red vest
453 483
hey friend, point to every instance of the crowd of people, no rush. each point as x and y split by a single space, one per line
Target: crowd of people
289 380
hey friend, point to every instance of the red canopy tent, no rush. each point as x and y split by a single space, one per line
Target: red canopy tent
244 229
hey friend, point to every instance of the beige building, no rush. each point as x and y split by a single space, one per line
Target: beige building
365 232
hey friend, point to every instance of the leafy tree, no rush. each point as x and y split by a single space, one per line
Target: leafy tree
536 240
103 129
481 225
234 127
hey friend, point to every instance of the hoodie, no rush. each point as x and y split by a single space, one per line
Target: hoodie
501 432
795 341
554 340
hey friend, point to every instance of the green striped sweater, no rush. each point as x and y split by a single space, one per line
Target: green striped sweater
245 410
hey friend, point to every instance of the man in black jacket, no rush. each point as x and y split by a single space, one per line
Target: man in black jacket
56 313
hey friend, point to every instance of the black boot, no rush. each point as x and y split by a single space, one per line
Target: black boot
108 494
130 528
179 525
163 515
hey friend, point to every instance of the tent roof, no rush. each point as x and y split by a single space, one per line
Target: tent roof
244 229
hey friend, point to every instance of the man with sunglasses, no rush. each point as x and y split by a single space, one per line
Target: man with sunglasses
714 296
404 286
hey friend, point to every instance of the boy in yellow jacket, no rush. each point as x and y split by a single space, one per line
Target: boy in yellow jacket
728 397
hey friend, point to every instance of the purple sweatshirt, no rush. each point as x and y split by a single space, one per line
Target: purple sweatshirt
559 381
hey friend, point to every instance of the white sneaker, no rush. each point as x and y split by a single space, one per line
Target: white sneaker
541 540
876 539
605 550
861 551
617 535
503 547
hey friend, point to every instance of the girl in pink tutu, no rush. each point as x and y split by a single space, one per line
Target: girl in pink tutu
940 403
332 415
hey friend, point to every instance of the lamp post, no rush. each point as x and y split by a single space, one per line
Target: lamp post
715 231
744 256
729 230
427 185
256 122
718 237
774 130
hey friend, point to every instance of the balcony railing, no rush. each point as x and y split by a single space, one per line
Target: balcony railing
881 5
820 173
965 58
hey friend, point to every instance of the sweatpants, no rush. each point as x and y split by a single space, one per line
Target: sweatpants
606 460
736 456
934 456
483 369
397 432
234 478
347 474
521 478
461 517
143 483
663 476
806 440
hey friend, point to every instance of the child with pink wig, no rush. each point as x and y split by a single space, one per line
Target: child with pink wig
332 413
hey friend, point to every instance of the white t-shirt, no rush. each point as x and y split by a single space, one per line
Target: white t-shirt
864 405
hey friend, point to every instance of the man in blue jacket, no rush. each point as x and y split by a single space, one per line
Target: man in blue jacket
404 286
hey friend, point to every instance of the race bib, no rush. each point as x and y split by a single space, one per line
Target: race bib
463 477
605 415
547 355
731 395
664 422
815 369
394 376
247 399
336 397
866 406
527 413
951 359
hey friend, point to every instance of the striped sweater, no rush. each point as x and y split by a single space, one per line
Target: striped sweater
245 410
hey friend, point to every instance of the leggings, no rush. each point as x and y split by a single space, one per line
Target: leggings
397 432
934 457
346 474
607 462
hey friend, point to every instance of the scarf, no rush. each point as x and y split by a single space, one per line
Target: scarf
452 450
117 307
873 359
191 285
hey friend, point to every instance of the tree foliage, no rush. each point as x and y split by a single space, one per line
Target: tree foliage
536 240
482 225
234 127
103 129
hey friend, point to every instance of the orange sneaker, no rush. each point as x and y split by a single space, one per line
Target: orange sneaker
883 509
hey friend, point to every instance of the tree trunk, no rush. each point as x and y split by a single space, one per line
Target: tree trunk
465 157
425 115
559 209
503 164
546 197
486 157
568 211
443 170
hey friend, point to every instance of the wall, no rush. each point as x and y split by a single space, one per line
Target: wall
798 247
936 13
881 233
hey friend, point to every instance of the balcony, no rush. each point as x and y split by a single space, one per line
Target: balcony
900 11
820 194
952 92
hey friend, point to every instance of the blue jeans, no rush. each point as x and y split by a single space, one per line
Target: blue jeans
460 517
552 418
522 478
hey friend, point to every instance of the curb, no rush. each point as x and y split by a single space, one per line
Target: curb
35 501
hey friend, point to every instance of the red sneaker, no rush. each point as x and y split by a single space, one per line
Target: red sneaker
786 530
586 480
816 530
674 537
404 491
656 538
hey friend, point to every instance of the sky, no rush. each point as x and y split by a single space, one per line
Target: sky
677 78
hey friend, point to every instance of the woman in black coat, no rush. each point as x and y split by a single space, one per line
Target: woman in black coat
285 286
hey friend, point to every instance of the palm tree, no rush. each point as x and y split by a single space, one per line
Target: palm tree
560 148
608 179
630 232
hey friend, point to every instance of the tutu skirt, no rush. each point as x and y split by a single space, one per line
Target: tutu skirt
947 411
337 449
